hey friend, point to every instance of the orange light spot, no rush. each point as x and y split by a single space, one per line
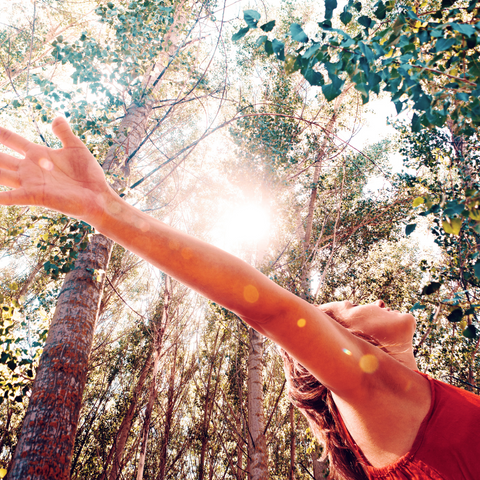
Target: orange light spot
369 363
142 225
250 293
114 208
46 164
302 322
173 245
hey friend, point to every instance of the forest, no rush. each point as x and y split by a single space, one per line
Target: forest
234 121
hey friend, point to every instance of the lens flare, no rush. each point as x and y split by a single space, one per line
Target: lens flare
302 322
46 164
346 351
369 363
250 294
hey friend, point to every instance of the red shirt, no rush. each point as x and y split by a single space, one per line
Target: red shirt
447 445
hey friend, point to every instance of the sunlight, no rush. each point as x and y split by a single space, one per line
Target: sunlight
241 226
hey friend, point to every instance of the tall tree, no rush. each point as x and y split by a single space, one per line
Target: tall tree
46 442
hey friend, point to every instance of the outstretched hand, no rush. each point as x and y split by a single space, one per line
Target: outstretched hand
68 180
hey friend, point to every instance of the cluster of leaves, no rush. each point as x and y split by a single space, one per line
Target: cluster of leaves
17 365
449 185
428 59
64 239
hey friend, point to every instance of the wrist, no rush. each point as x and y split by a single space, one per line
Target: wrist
114 215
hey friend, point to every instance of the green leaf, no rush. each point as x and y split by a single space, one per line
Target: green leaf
334 89
268 47
476 269
268 27
417 306
415 123
278 49
452 225
455 315
311 50
251 17
297 33
261 40
444 44
432 287
314 78
410 228
330 6
240 34
381 10
470 332
365 21
463 28
346 17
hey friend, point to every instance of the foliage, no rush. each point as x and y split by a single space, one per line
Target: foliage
422 57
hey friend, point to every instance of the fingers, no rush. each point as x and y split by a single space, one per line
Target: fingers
14 141
8 162
9 179
13 197
63 132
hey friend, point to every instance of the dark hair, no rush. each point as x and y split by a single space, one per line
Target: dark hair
315 402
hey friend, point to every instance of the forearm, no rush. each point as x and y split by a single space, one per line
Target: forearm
210 271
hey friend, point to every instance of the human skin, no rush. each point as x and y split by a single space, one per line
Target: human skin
380 397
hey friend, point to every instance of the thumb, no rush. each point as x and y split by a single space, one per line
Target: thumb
64 133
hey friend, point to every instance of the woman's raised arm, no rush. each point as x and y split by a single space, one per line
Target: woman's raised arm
70 181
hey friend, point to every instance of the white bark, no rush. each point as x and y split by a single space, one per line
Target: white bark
257 445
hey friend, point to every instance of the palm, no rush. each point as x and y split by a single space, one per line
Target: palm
68 180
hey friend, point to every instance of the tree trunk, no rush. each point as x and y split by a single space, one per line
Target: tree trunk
209 404
320 156
257 445
319 467
168 420
45 447
116 452
158 341
292 443
46 441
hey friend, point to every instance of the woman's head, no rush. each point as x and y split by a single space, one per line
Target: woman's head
387 327
389 330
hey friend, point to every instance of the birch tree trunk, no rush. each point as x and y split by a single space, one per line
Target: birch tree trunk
257 445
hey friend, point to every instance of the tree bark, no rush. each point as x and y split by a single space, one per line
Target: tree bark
47 438
292 442
257 445
319 157
168 420
319 467
116 452
158 341
45 448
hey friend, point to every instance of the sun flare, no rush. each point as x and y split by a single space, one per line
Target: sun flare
242 226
